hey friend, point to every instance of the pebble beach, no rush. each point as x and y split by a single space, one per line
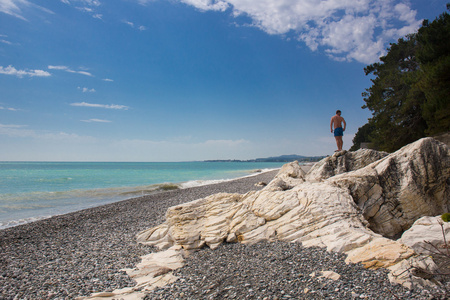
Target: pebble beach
76 254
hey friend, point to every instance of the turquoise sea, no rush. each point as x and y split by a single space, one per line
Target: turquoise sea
31 191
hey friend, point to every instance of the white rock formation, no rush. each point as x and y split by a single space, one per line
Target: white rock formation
342 162
395 191
424 231
426 238
155 270
354 212
386 196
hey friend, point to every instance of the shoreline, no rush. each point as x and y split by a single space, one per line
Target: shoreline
78 253
113 195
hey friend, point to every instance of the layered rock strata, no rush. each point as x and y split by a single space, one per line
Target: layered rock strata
341 212
351 202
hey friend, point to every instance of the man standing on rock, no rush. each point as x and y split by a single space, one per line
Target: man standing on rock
337 121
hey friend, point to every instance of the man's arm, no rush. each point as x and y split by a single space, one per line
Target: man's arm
345 124
331 124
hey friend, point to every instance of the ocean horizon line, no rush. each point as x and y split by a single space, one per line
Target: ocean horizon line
280 158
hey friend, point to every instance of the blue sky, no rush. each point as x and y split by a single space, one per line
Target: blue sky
180 80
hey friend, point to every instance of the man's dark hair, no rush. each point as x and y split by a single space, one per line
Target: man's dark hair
338 111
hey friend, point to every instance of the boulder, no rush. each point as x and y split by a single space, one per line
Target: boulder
426 231
402 187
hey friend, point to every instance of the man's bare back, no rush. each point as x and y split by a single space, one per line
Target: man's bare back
337 121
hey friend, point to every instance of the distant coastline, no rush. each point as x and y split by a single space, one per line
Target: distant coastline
281 158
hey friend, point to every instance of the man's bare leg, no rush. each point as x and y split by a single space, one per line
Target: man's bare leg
339 142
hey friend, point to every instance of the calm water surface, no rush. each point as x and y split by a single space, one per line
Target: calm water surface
34 190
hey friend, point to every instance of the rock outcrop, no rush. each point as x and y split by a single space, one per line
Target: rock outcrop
353 202
395 191
343 162
382 198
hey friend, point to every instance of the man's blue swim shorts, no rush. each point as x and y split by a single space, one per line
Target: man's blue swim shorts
338 131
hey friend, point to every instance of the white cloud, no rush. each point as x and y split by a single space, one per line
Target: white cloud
4 40
96 121
217 5
108 80
83 73
86 9
10 70
11 7
107 106
344 29
58 67
128 23
3 126
87 90
93 3
87 6
132 25
8 108
15 8
67 69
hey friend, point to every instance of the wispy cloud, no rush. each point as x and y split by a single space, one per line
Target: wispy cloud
8 108
108 80
12 126
69 70
345 30
87 90
96 121
3 39
15 8
86 6
107 106
12 7
132 25
10 70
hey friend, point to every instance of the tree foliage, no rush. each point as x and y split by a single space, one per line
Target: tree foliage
410 94
362 136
